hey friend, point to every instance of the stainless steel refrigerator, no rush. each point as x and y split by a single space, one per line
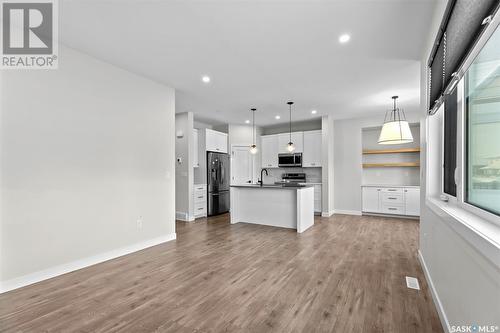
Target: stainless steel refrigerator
218 183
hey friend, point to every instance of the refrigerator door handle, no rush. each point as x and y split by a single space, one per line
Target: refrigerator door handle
221 172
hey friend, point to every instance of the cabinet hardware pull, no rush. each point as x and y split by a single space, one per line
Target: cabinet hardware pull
393 208
392 198
200 197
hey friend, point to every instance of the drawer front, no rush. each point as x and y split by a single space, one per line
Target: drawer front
391 190
317 206
393 209
200 204
392 198
201 188
200 197
200 211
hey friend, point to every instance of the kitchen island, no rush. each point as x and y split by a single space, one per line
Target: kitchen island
273 205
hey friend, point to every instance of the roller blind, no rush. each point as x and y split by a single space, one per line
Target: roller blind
462 25
437 74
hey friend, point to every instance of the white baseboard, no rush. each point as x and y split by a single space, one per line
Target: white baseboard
435 297
347 212
79 264
183 216
327 214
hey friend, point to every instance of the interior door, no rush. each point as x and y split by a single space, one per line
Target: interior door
241 165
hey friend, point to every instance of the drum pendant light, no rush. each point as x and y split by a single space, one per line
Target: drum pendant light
290 147
253 147
396 129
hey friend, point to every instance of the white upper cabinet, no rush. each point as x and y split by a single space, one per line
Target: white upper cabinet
269 151
297 139
196 159
311 156
216 141
307 143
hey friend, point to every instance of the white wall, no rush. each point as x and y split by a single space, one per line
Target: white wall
465 283
348 159
328 158
297 126
392 175
184 171
85 151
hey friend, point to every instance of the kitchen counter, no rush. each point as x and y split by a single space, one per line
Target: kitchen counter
273 205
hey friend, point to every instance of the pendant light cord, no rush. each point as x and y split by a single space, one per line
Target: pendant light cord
253 121
290 110
253 125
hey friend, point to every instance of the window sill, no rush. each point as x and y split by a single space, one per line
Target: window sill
481 234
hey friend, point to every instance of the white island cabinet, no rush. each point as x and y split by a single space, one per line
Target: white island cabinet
277 206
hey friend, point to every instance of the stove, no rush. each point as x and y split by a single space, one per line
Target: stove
293 178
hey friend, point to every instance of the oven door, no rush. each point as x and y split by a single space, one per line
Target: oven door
286 160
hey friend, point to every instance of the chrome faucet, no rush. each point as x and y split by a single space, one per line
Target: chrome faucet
261 181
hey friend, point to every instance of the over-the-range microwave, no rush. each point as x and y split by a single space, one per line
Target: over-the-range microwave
290 160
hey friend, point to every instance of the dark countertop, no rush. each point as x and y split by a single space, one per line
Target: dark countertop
267 186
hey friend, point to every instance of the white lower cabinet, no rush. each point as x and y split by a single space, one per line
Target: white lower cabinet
371 202
200 200
412 203
317 198
391 200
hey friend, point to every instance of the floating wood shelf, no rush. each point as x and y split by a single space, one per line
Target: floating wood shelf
392 151
390 165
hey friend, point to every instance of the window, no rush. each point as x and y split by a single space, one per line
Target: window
482 128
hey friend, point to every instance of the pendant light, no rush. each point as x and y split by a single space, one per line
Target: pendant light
290 147
396 129
253 147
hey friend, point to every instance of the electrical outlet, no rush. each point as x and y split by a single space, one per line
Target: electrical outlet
139 222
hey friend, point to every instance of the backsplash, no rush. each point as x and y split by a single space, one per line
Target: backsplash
313 175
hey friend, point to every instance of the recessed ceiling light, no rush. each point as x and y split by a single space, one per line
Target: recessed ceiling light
344 38
314 111
247 121
277 117
205 79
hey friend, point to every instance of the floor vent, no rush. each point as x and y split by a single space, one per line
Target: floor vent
412 283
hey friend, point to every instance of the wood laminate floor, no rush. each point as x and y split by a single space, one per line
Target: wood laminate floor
345 274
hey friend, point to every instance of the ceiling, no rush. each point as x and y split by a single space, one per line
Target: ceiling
261 53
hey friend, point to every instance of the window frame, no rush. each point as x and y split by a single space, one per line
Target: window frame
460 172
463 151
449 197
